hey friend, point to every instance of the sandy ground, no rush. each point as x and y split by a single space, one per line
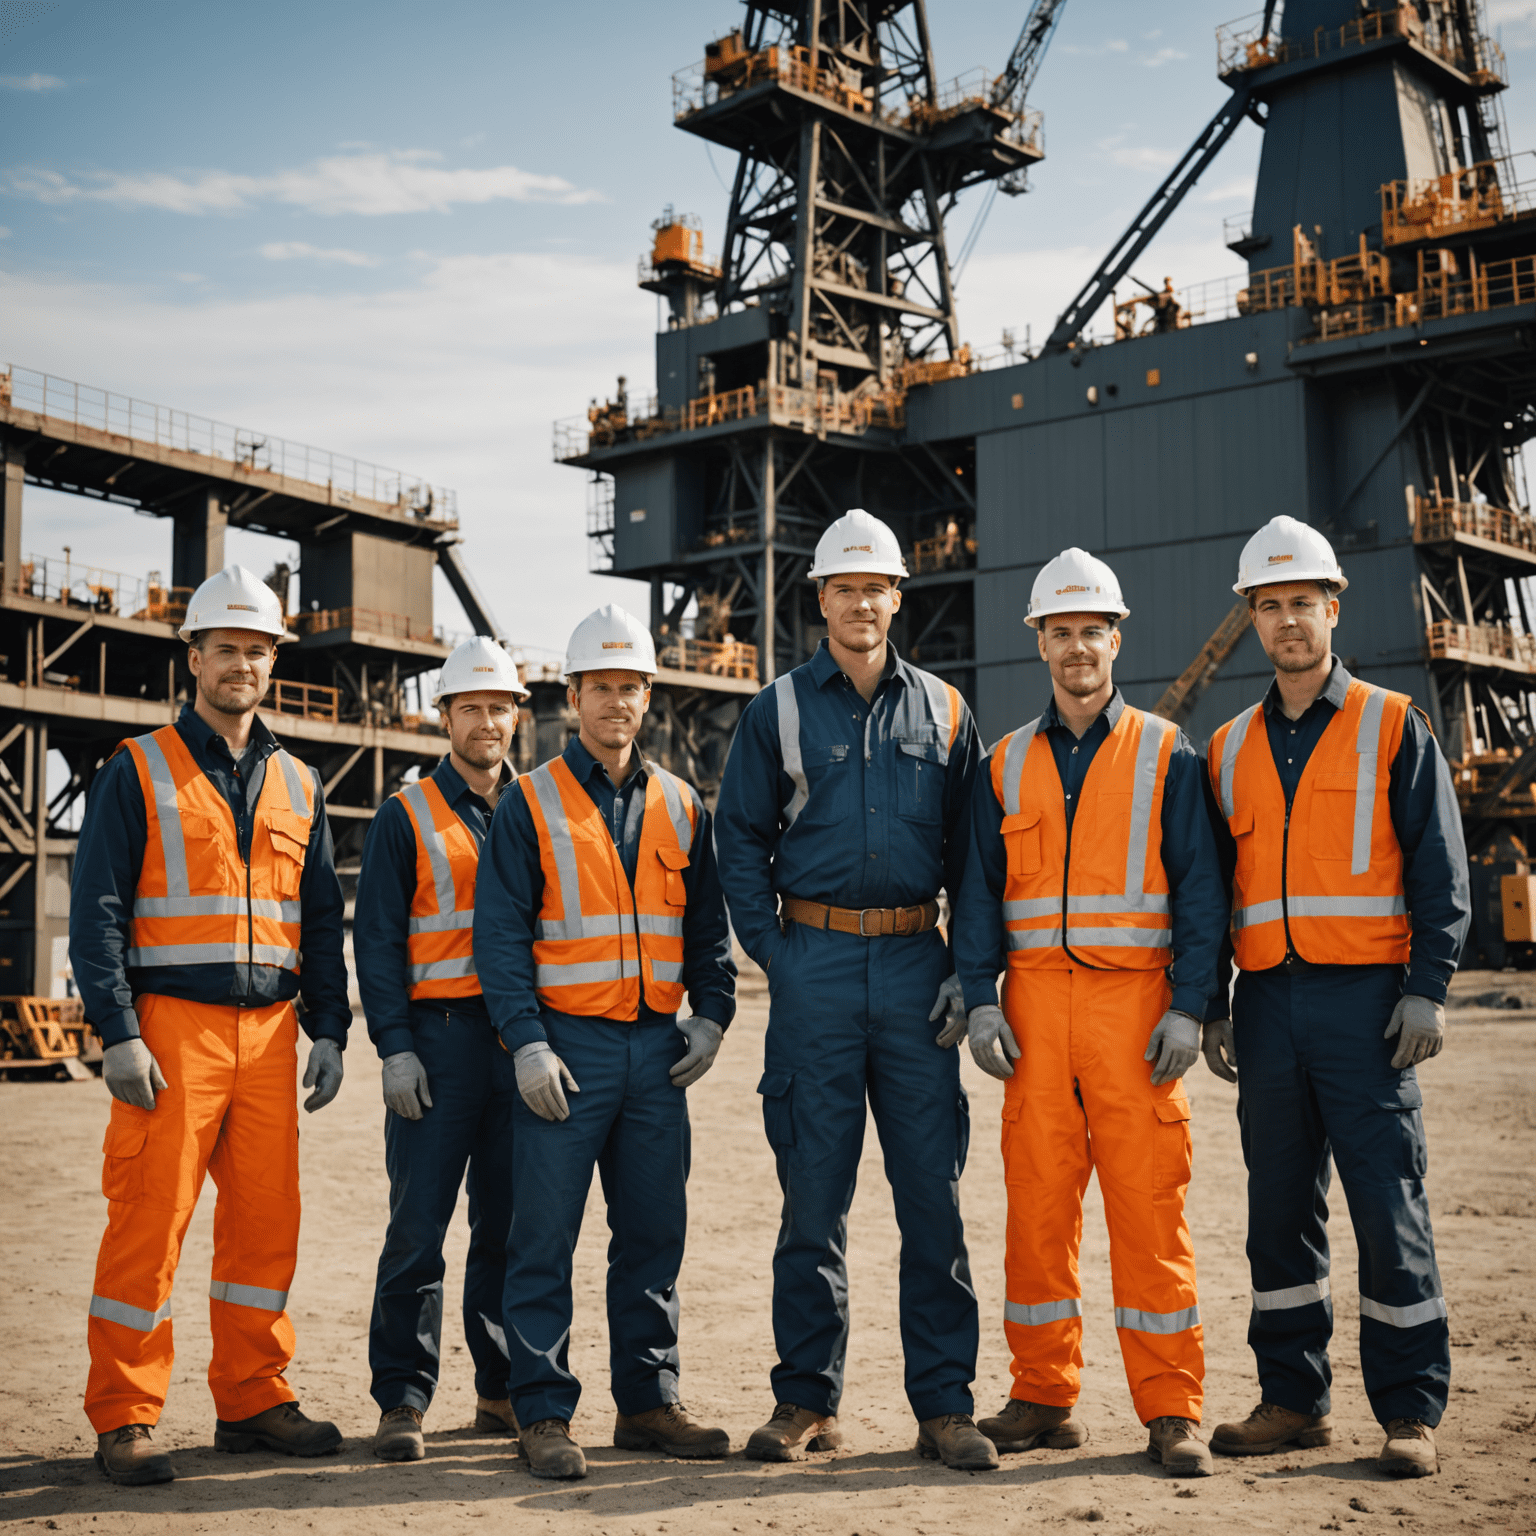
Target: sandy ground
1481 1112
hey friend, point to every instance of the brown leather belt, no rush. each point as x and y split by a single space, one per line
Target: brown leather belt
868 922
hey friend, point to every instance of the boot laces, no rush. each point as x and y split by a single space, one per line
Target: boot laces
784 1412
956 1421
131 1432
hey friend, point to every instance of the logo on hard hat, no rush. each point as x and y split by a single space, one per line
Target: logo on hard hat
1061 590
1279 559
618 645
867 549
482 669
242 607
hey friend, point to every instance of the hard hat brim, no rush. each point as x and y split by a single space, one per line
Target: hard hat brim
282 636
1116 612
517 694
871 567
1336 578
574 667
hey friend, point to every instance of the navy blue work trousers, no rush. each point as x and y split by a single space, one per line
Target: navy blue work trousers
630 1121
848 1021
1315 1077
473 1087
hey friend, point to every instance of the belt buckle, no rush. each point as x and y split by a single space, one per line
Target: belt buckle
863 932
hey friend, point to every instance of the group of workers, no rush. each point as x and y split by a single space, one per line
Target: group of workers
524 945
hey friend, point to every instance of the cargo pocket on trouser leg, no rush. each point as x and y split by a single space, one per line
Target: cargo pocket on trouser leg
122 1166
777 1090
1172 1163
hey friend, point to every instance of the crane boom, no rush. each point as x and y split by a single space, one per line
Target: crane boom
1178 701
1024 62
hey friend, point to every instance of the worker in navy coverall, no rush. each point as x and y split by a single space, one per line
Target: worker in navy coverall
848 788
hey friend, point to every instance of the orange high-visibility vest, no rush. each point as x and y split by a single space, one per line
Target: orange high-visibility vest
599 948
440 933
1331 873
1109 885
196 903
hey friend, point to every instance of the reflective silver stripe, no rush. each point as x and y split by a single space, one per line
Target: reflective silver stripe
173 848
667 970
441 922
1291 1296
1257 912
130 1317
248 1296
1034 938
1046 1312
293 776
675 807
1157 1322
1013 765
605 925
443 970
432 840
214 906
789 746
1237 733
666 927
1346 906
1367 745
572 926
214 954
579 973
938 707
1143 790
1035 906
1132 901
1126 938
1404 1317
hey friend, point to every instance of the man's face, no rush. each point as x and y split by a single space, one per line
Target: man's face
1294 620
232 668
611 705
1080 650
858 609
480 726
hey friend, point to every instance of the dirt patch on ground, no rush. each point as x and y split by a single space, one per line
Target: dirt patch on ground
1481 1113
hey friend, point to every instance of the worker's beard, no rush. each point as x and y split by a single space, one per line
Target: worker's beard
482 754
231 698
1293 660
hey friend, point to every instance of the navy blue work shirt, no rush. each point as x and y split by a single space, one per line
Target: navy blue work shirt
883 819
386 887
109 855
1197 898
1421 800
509 894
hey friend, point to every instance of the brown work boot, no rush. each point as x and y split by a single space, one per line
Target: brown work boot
791 1432
1176 1443
548 1449
280 1428
1022 1426
1268 1428
128 1456
1409 1451
398 1437
954 1439
671 1429
496 1416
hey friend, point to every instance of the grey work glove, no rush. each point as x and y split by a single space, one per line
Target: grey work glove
1175 1043
405 1085
1220 1049
951 1004
703 1037
988 1030
131 1073
540 1074
1422 1026
323 1073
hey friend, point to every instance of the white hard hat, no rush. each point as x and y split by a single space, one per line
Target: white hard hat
235 599
478 664
611 637
1286 550
1075 582
857 542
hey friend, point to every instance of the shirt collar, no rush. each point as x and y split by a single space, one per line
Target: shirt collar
583 765
1334 690
206 740
1050 718
824 668
451 782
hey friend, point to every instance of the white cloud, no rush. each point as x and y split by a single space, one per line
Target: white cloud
1143 157
5 234
1161 57
399 181
299 250
33 82
1109 45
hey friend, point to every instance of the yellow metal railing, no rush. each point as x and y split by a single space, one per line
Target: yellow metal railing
719 658
1436 520
1495 642
312 701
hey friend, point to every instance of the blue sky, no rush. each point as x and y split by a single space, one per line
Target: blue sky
409 234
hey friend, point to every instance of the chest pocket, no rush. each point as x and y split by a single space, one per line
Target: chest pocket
211 849
676 862
288 835
919 780
1331 816
1021 837
827 774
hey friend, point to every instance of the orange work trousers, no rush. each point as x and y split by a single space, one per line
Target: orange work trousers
1081 1098
231 1110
